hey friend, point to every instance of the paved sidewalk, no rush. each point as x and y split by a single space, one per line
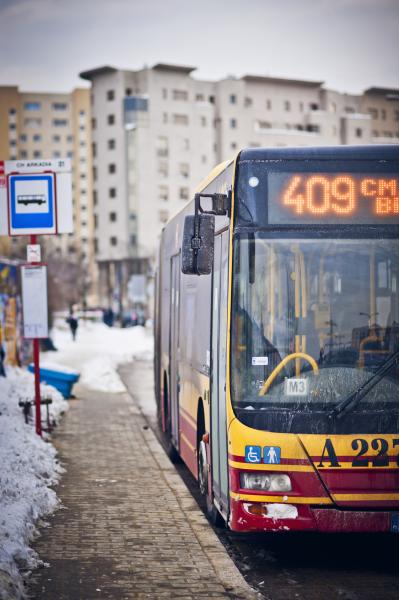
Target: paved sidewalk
129 528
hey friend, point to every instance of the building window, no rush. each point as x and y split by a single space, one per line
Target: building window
287 105
180 119
93 123
95 245
248 102
23 137
128 92
70 154
268 104
94 149
233 99
164 93
111 144
112 217
211 99
359 132
233 145
184 193
163 168
163 193
204 159
199 98
396 115
233 123
313 106
95 198
32 106
56 138
179 95
261 125
164 118
12 126
110 95
301 107
37 137
13 142
163 216
56 154
59 106
60 122
203 121
37 154
112 192
111 119
184 169
113 240
383 114
186 144
349 110
162 146
69 138
112 168
313 128
12 111
23 154
32 122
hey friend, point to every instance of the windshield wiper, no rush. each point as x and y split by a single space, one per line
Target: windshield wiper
354 397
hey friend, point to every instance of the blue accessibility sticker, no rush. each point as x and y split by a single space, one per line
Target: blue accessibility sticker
272 455
395 523
253 454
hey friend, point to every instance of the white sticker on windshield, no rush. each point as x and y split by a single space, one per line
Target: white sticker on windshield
260 360
296 387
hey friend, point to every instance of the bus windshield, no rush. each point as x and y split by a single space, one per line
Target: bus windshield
312 319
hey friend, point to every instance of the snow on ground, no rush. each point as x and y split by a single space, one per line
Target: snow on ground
98 350
28 468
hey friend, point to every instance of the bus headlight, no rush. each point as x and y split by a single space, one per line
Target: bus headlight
268 482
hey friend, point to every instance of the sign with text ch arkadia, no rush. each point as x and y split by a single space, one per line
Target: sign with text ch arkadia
36 197
32 203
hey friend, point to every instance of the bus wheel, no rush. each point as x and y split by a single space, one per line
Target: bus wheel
203 471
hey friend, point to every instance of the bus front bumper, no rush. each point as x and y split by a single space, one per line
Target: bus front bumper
302 517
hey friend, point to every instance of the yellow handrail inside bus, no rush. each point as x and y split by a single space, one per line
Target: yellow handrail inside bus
281 366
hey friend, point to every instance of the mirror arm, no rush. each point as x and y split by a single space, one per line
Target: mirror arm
221 204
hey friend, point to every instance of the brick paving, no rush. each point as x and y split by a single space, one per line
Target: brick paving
128 527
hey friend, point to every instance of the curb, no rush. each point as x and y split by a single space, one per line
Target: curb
224 567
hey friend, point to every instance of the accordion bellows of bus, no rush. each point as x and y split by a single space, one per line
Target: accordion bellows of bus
277 339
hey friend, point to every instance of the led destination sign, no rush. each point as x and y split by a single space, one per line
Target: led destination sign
333 198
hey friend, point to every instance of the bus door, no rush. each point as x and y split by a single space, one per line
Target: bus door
174 339
218 374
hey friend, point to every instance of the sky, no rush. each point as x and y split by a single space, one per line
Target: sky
348 44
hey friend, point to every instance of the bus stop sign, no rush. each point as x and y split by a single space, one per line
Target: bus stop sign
32 203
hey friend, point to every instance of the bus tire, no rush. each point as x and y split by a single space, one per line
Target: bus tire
214 517
170 450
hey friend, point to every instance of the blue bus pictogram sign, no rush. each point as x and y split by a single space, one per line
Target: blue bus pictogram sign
32 202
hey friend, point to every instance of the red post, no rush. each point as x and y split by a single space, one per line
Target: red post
36 363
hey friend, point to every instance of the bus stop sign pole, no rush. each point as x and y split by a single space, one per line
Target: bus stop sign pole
36 364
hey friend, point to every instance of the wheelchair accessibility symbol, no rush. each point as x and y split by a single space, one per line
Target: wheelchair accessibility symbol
253 454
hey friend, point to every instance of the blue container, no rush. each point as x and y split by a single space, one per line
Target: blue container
61 380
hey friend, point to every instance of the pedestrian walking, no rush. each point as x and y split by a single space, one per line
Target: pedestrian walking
73 323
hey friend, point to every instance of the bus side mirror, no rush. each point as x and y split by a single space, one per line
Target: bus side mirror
198 244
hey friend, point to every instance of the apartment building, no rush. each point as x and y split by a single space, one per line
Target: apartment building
158 131
45 125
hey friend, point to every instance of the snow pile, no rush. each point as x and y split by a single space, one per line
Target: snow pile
28 467
99 350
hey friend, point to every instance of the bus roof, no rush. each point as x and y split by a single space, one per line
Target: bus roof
213 174
372 152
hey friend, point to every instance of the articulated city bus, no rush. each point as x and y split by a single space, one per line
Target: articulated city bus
277 339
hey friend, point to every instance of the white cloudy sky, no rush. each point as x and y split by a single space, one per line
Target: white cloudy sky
349 44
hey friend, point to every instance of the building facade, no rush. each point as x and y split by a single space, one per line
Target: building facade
158 131
45 125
